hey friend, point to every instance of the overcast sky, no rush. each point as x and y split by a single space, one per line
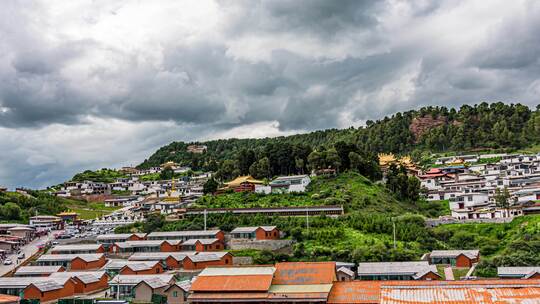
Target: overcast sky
92 84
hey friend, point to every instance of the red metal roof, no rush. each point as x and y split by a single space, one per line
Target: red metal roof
355 292
301 273
447 292
232 283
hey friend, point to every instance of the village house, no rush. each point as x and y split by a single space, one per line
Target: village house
85 281
107 240
38 288
77 249
186 235
232 284
124 284
130 247
46 221
37 271
345 274
397 271
26 233
256 233
203 245
457 258
73 261
141 268
171 260
178 292
121 201
519 272
201 260
114 266
285 184
242 184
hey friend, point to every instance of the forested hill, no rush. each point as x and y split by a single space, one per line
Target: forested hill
436 129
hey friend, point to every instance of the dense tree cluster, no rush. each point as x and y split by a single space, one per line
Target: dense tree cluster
482 126
404 186
19 207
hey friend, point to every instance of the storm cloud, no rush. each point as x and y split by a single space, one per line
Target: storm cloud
89 84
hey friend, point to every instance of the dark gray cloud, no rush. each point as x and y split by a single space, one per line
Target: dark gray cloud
143 74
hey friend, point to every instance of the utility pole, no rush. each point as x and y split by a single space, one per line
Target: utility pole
394 226
307 218
204 219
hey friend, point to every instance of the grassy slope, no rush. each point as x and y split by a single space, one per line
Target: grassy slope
349 189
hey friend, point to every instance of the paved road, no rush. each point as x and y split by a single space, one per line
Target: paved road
29 250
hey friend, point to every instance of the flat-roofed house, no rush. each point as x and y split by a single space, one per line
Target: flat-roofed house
256 233
73 261
130 247
521 272
85 281
124 284
77 249
203 245
37 271
420 270
458 258
305 282
201 260
26 233
232 284
186 235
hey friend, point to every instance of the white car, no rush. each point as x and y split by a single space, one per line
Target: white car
8 262
21 256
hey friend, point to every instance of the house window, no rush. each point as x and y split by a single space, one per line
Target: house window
175 294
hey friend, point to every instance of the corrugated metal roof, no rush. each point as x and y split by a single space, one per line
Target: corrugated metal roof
290 273
118 264
145 243
206 256
234 271
309 297
346 271
461 295
85 276
517 271
183 233
119 236
231 297
355 292
150 256
472 254
28 270
305 288
192 242
141 266
252 229
23 282
89 257
78 247
232 283
389 268
135 279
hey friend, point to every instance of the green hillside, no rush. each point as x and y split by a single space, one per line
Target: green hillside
495 126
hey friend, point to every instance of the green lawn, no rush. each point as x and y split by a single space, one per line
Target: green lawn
91 210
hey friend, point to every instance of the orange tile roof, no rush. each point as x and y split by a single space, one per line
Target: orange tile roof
232 283
355 292
300 273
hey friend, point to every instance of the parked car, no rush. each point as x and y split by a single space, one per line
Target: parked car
21 256
8 262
